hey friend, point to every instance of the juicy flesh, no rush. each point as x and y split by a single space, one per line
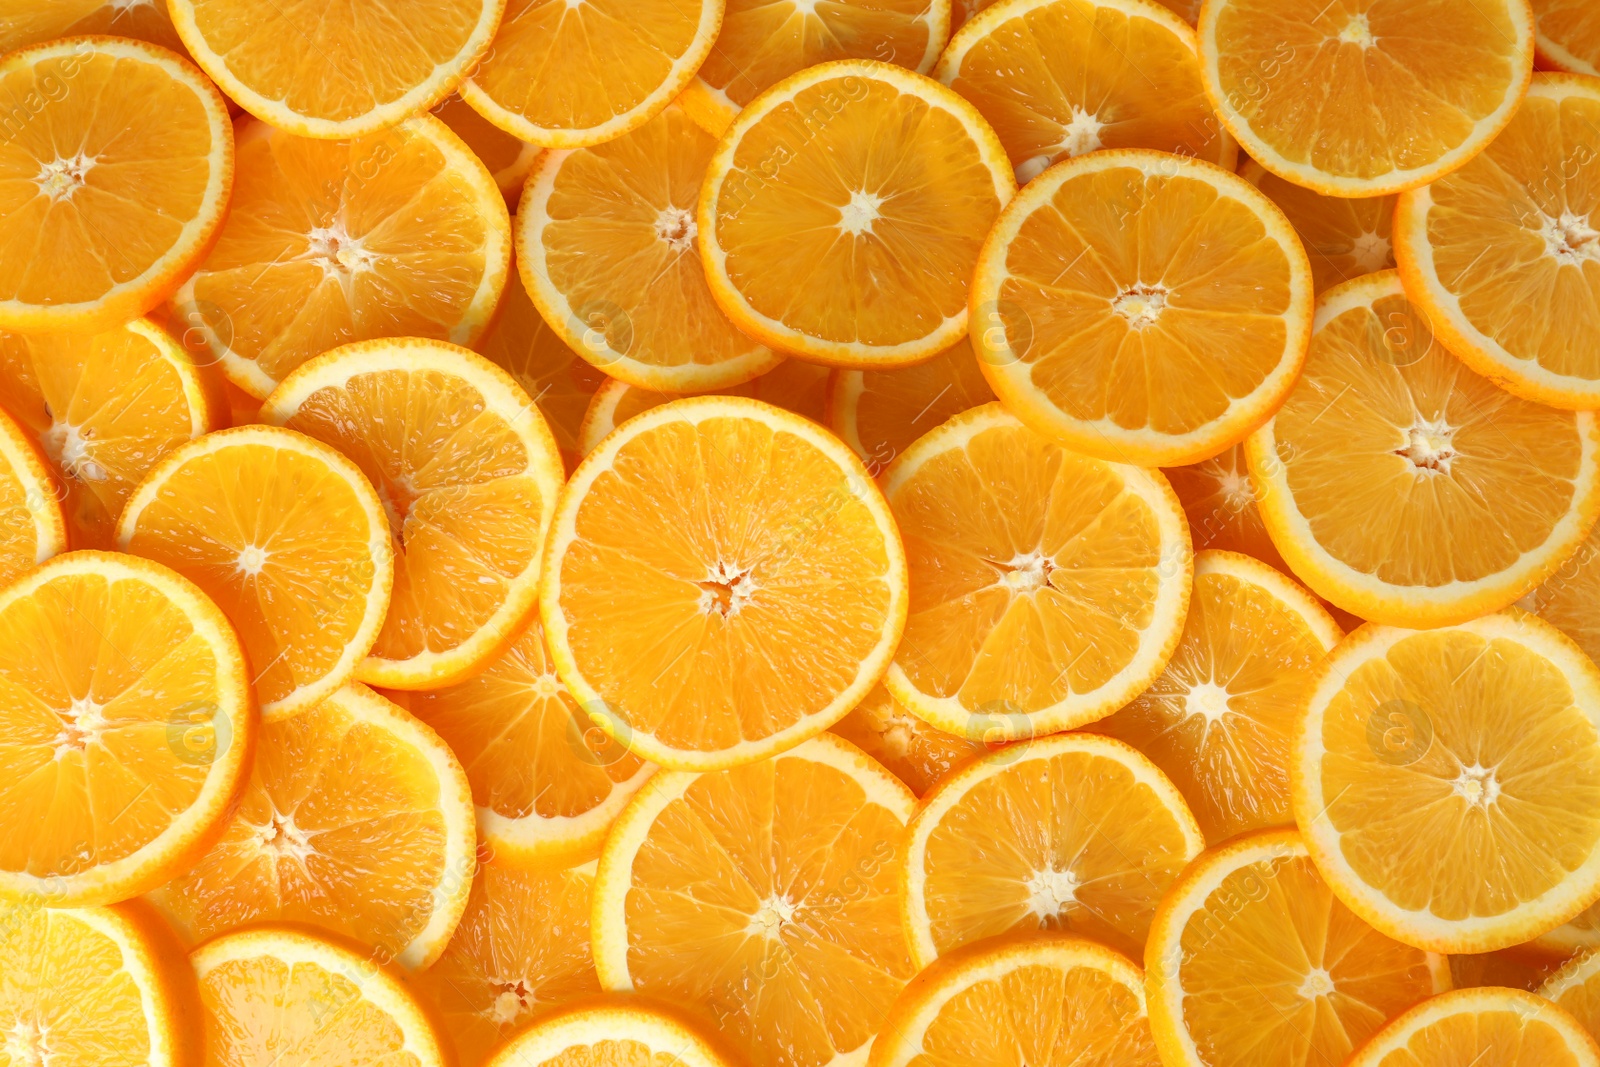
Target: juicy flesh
1219 500
22 494
1343 238
914 752
898 406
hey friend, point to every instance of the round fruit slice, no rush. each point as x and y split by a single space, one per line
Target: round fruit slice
911 750
1423 752
1219 498
280 996
1047 588
1503 255
1075 832
1365 99
1489 1025
1569 599
1142 307
764 896
1403 487
1048 1000
878 413
341 71
288 537
105 408
1567 34
399 234
1575 989
125 727
25 22
565 75
507 159
1220 720
92 985
1577 935
724 581
547 782
32 528
816 245
1252 959
611 1035
1343 237
606 247
94 238
357 819
1012 63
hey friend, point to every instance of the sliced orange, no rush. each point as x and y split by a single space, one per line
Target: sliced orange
288 537
1403 487
1252 959
621 1033
1569 600
764 896
278 995
508 159
1577 935
606 247
1424 751
1052 1001
1047 588
1480 1026
1219 497
546 781
95 236
565 75
105 408
1344 237
1503 254
724 580
1575 988
28 22
761 43
125 728
1077 833
843 212
1567 33
399 234
878 413
343 71
1061 78
1365 99
919 755
1142 307
32 528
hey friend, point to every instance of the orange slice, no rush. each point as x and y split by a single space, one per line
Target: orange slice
1076 832
1047 588
344 71
1344 237
566 75
133 207
32 528
1567 33
1220 720
763 896
1503 254
105 408
1054 79
1423 751
1481 1026
1569 599
125 728
400 234
1374 477
1219 498
878 413
288 537
508 159
1142 307
1575 989
723 581
919 755
546 781
763 43
28 22
276 996
1252 959
843 211
1364 99
1048 1000
606 247
1578 935
620 1034
357 819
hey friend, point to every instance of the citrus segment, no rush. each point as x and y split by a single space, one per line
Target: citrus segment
610 1034
28 22
1575 988
1344 237
1569 599
878 413
1219 498
1567 33
32 528
1480 1026
919 755
507 159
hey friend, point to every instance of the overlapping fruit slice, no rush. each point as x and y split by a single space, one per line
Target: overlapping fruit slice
32 528
1344 237
28 22
508 158
878 413
1484 1025
1575 988
1219 498
619 1034
1567 33
918 754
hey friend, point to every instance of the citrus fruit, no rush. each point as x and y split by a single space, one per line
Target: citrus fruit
843 211
1502 253
290 540
279 996
1142 307
1076 832
32 528
610 1034
1575 989
507 159
356 819
1051 1001
1013 63
764 896
105 408
132 208
1369 98
25 22
565 75
125 727
606 247
919 755
340 71
1569 599
1048 588
1481 1026
1579 934
1219 499
1375 479
723 581
1221 718
1423 751
878 413
1344 237
1252 959
399 234
1567 34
